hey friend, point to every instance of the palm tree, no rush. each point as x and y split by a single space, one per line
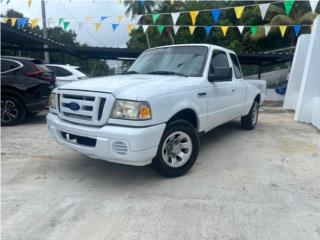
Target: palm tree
140 7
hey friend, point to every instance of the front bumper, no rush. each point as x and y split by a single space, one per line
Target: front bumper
125 145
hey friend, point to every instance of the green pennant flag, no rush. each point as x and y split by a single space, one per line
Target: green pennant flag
253 30
160 28
155 17
288 4
66 25
61 20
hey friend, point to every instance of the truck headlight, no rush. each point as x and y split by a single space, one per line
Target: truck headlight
131 110
53 101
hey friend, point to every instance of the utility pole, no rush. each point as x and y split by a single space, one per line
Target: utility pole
44 30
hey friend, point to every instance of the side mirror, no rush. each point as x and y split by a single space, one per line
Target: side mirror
220 74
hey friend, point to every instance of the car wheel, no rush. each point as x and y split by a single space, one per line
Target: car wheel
12 111
249 121
178 149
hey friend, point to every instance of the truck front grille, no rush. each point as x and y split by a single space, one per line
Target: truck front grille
82 107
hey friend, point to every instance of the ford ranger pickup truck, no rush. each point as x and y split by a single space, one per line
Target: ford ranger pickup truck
154 113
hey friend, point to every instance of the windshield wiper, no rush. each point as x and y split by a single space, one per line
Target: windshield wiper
167 73
131 72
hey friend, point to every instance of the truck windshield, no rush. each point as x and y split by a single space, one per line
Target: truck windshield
186 61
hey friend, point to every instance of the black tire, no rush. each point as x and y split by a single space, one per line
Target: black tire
13 111
249 121
185 129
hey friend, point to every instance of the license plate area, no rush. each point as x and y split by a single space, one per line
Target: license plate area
79 140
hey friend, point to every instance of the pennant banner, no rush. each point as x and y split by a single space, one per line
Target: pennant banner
297 29
208 30
224 30
120 18
193 15
288 4
191 29
102 18
34 22
160 28
145 28
29 3
61 20
216 14
13 21
283 29
130 27
97 25
175 17
155 17
253 30
21 22
66 25
313 4
263 9
239 11
175 29
115 26
240 28
267 30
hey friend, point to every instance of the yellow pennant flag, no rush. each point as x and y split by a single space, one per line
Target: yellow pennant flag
191 29
88 18
193 15
283 29
98 26
239 11
29 3
5 20
13 21
34 22
224 30
120 18
130 27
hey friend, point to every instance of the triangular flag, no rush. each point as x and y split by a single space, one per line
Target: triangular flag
120 18
224 30
283 29
172 1
216 14
114 26
130 27
191 29
253 30
145 28
34 22
175 17
313 4
137 18
4 19
80 25
263 9
8 1
66 25
98 25
61 20
21 22
208 30
240 28
141 3
155 17
13 21
160 28
193 15
103 18
239 11
175 29
288 4
88 18
29 3
267 30
297 29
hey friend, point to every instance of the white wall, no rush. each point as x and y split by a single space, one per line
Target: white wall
308 101
296 73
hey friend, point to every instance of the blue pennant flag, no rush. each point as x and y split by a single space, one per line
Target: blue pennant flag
142 3
21 22
114 26
103 18
208 30
216 14
297 29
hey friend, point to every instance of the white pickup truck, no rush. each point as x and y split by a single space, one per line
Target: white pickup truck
155 112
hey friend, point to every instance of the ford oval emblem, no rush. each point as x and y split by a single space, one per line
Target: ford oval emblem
73 106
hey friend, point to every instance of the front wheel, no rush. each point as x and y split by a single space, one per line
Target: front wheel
249 121
178 149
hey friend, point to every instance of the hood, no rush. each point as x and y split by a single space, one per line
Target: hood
135 86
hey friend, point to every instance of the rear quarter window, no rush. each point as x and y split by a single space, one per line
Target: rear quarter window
9 65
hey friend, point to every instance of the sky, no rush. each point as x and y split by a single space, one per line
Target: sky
75 11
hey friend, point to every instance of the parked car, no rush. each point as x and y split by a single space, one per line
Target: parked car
66 73
26 84
155 113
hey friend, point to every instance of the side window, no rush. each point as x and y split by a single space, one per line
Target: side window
219 59
59 72
64 72
8 65
236 66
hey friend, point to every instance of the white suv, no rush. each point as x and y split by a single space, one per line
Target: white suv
66 73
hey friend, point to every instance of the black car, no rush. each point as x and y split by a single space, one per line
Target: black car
26 84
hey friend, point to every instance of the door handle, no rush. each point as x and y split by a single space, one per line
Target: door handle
202 94
233 90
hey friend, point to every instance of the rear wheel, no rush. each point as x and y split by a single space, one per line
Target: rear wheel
249 121
12 110
178 149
